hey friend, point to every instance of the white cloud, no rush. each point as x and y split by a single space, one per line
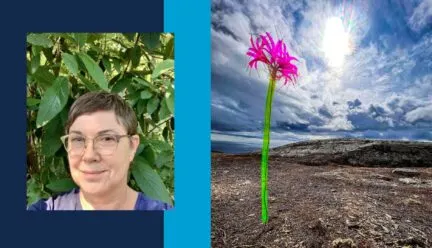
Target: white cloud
374 76
420 114
422 16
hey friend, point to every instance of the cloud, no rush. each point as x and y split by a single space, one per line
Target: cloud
380 86
422 16
420 114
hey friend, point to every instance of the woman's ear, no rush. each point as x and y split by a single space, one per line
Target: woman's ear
135 141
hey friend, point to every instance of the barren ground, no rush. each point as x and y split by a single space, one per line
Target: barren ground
319 206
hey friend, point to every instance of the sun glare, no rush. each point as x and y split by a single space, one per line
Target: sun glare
336 42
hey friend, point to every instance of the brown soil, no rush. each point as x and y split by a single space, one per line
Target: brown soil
318 206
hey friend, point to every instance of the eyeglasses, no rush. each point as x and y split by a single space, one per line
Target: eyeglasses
105 144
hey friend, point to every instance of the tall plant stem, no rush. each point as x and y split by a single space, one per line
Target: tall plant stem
265 150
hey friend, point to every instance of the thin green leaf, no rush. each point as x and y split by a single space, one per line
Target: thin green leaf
143 82
152 105
117 65
44 77
35 63
149 154
164 111
129 36
151 40
80 38
94 70
71 63
90 85
163 67
42 40
149 181
164 158
169 98
32 101
135 55
145 94
106 63
159 146
121 85
141 107
53 101
169 49
51 139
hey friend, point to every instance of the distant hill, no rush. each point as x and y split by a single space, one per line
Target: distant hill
357 152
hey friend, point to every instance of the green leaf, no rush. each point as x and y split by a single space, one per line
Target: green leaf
169 49
106 63
164 158
96 49
43 77
129 36
152 105
62 185
71 63
135 55
149 154
117 65
164 111
145 94
143 82
36 50
51 139
149 181
139 150
165 133
94 70
35 63
80 38
141 107
29 79
64 117
42 40
33 191
53 101
32 101
121 84
92 37
151 40
163 67
169 98
90 85
159 146
133 98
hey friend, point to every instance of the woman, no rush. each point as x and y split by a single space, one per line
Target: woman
101 142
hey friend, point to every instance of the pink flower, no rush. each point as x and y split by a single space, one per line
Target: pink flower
275 56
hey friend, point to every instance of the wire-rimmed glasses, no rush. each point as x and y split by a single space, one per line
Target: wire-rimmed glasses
104 144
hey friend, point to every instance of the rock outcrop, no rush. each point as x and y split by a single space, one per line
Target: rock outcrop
357 152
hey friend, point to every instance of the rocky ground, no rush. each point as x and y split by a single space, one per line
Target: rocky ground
330 204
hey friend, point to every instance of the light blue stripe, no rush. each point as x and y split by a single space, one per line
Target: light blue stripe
188 224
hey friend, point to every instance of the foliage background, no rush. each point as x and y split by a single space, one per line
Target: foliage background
63 66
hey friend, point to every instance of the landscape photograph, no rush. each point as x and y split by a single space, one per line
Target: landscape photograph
321 123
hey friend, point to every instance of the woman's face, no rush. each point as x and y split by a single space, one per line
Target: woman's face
95 170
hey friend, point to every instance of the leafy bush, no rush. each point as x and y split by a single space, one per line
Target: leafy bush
63 66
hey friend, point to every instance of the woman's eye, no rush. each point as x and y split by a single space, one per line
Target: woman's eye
77 139
108 138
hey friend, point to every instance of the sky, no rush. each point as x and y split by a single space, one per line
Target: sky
365 70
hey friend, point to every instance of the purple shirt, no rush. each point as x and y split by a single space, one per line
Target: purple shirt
70 201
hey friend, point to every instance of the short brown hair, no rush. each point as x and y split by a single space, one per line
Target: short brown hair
103 101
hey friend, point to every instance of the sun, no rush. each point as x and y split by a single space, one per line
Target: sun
336 42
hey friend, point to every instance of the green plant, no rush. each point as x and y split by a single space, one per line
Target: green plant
137 66
279 65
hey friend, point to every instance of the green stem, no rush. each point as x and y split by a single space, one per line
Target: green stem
265 150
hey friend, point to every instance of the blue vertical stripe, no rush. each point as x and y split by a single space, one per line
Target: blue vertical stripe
188 225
